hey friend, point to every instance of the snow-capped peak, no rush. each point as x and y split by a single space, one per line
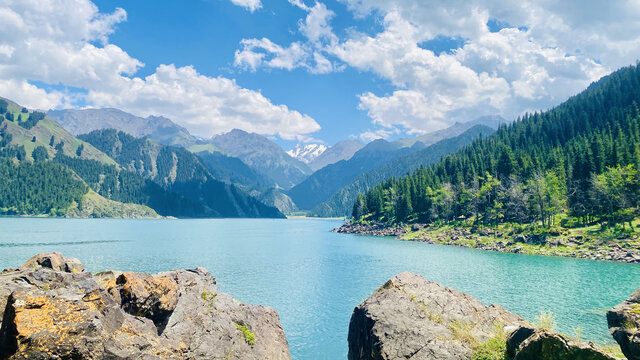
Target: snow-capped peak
306 153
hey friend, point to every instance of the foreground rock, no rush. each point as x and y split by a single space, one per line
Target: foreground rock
51 308
624 325
412 318
527 343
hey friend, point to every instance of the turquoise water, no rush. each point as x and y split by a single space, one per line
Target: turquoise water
315 278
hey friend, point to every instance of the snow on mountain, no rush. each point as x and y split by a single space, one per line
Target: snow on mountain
307 153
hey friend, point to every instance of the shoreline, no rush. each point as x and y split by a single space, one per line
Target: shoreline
577 246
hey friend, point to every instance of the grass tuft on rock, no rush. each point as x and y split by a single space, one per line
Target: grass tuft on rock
249 337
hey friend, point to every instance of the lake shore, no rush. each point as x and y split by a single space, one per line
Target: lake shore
625 249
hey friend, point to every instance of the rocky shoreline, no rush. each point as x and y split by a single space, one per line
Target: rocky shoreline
573 246
52 309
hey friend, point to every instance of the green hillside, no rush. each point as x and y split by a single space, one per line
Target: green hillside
43 132
341 203
574 164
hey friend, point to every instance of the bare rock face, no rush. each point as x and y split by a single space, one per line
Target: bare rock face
48 310
412 318
624 325
546 345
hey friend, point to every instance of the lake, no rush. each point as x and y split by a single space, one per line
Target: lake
314 278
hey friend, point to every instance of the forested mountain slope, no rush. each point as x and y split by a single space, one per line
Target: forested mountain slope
177 170
341 203
579 159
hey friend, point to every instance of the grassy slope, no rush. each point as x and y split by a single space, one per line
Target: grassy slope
94 205
43 131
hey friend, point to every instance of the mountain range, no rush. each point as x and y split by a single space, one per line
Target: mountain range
232 174
341 202
324 183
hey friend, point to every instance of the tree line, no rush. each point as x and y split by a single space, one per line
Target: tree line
579 160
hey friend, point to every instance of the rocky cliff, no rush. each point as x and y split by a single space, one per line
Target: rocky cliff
412 318
51 308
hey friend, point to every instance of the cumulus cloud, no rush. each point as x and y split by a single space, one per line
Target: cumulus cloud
205 105
371 135
543 52
65 42
251 5
316 28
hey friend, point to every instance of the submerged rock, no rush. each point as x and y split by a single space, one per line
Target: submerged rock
543 344
50 310
412 318
624 325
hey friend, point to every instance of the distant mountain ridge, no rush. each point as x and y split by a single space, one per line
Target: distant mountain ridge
326 181
157 128
178 170
342 150
492 121
263 156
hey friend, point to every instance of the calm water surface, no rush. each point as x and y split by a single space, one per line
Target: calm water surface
315 278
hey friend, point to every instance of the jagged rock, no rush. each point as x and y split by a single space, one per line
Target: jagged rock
546 345
624 325
412 318
178 314
54 261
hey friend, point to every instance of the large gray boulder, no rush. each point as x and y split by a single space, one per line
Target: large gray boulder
624 325
412 318
527 343
52 311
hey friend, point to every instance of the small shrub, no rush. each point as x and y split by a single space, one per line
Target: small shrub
545 320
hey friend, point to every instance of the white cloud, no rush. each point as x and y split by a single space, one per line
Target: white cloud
251 5
54 42
316 28
371 135
316 25
257 52
205 105
546 52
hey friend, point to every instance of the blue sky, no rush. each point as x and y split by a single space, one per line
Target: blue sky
303 71
206 34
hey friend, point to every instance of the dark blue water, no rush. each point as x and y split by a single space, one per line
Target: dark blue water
315 278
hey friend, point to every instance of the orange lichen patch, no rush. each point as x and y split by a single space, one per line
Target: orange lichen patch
50 323
143 286
168 291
